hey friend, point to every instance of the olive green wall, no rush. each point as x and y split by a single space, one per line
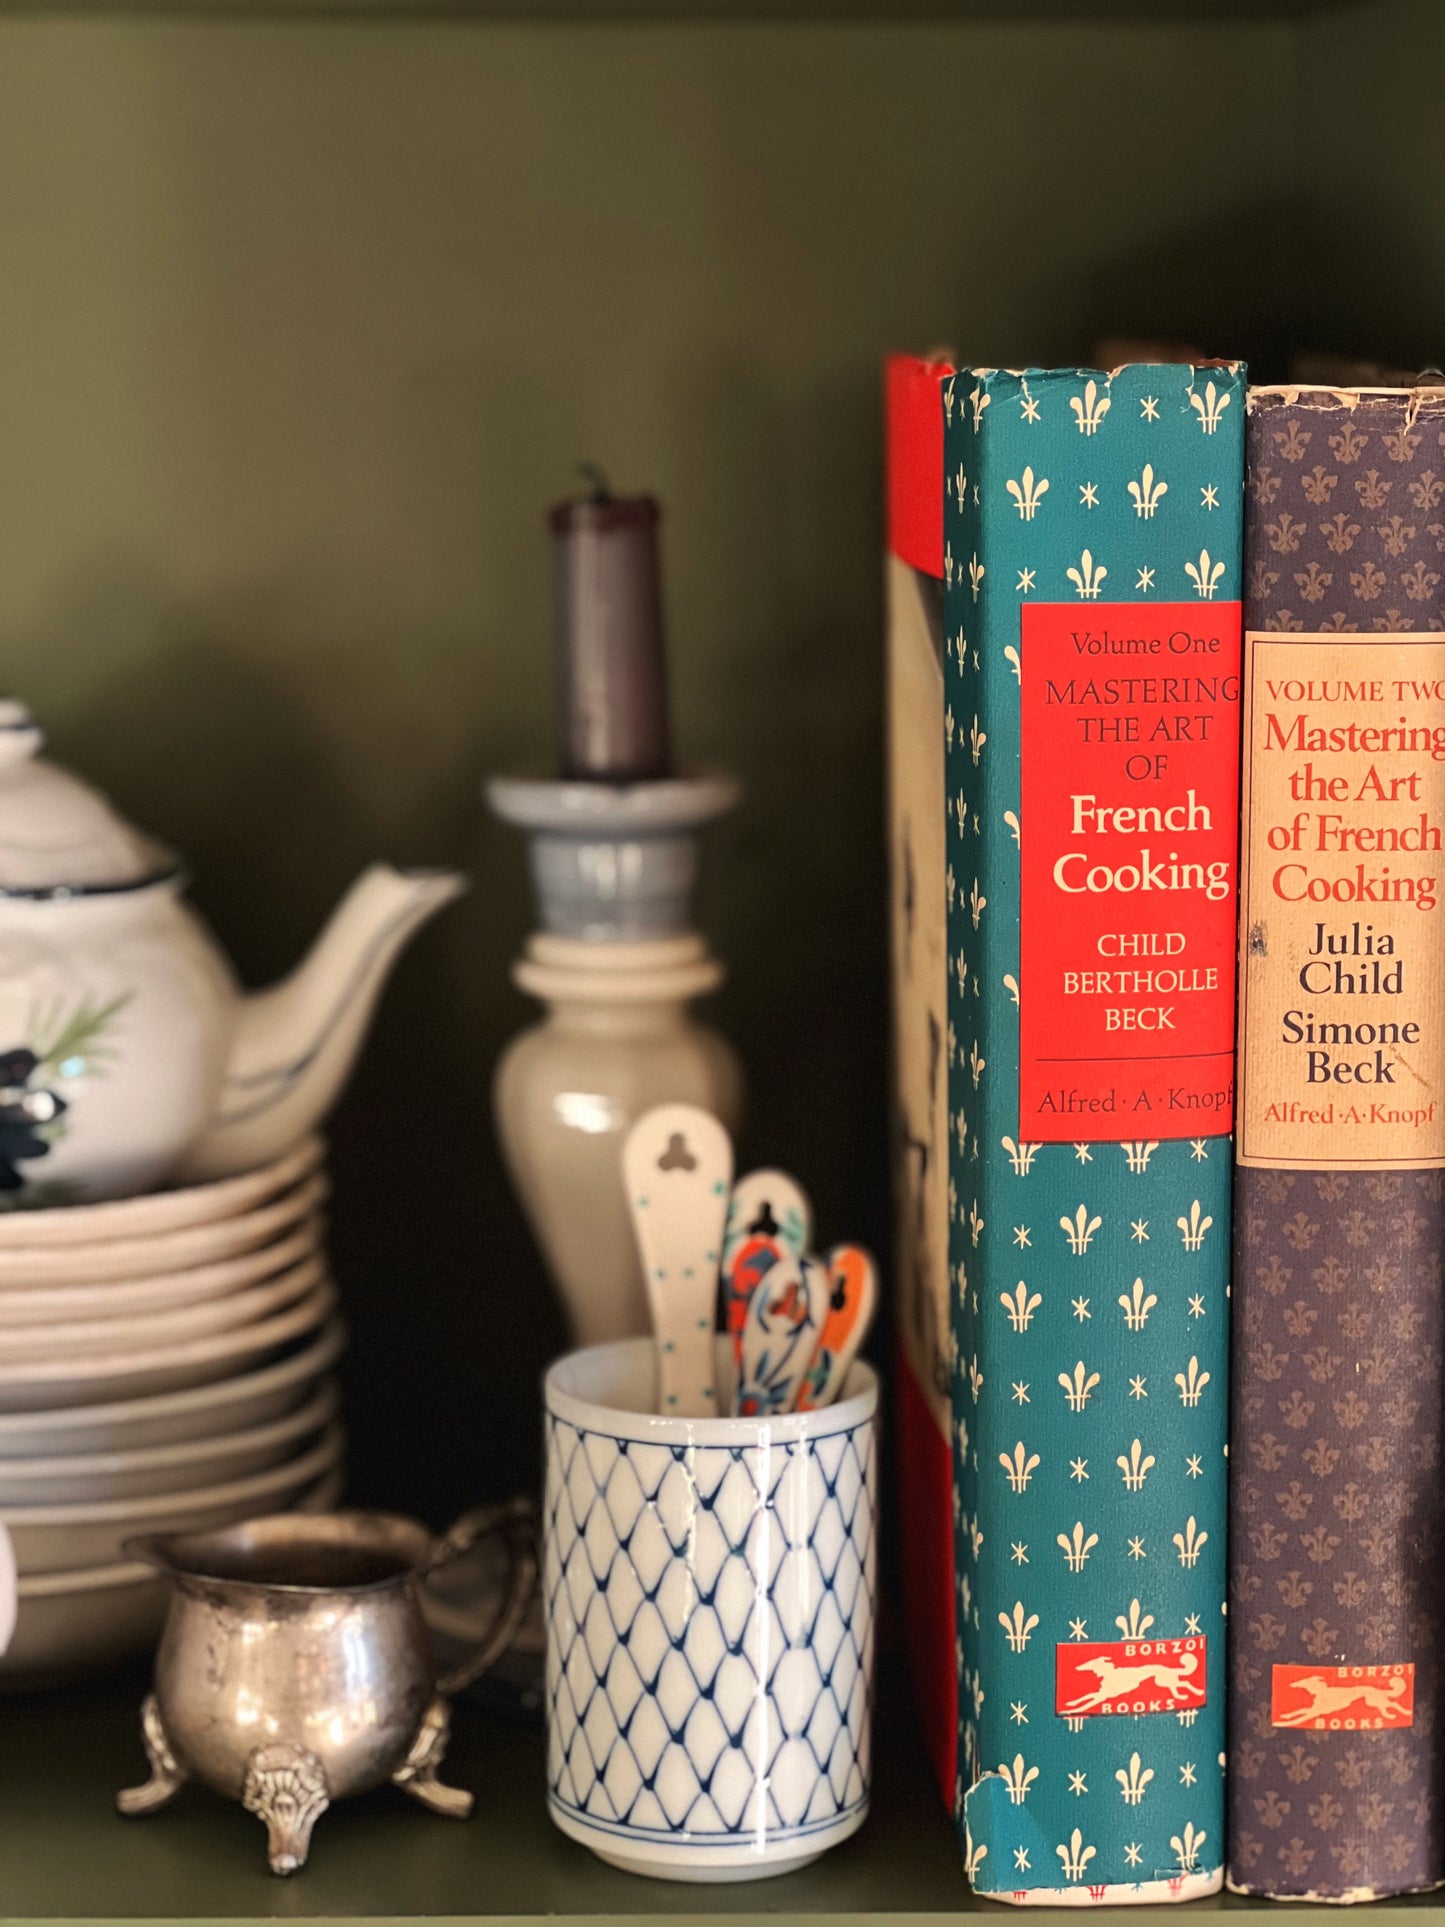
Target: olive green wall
1370 174
302 325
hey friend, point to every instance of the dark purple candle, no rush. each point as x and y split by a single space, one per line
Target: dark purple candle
611 671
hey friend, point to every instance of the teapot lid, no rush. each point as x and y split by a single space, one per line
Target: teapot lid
58 836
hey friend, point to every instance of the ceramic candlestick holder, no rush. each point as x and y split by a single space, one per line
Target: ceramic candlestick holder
709 1587
613 863
617 966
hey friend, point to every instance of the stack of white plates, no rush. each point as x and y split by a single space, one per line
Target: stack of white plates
164 1366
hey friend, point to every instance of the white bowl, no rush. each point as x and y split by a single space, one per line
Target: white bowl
54 1304
197 1244
23 1344
9 1594
44 1384
159 1211
62 1538
71 1623
76 1623
96 1477
208 1410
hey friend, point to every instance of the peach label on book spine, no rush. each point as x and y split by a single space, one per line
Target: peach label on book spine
1342 997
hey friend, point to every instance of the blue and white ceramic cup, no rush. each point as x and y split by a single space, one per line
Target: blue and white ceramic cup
709 1587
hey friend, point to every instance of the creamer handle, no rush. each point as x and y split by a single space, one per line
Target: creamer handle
516 1521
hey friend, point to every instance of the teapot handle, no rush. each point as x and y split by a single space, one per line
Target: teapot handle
516 1521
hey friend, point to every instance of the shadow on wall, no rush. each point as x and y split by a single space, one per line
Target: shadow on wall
1264 284
1385 306
437 1275
225 732
786 623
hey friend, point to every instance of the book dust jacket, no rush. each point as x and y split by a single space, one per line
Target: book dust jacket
1336 1685
922 1420
1092 637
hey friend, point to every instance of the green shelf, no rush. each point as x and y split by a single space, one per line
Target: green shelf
681 12
65 1855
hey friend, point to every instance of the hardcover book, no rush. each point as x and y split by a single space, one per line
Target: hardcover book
922 1412
1336 1742
1091 630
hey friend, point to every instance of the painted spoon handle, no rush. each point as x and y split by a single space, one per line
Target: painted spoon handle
781 1334
853 1299
769 1204
769 1218
677 1165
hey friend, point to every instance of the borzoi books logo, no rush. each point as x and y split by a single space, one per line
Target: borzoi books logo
1343 1699
1129 1676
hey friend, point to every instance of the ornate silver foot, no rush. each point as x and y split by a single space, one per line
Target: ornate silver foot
167 1774
285 1787
417 1775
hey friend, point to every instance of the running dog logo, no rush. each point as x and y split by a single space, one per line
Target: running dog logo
1129 1676
1343 1699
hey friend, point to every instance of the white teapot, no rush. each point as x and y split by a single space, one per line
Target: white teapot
128 1053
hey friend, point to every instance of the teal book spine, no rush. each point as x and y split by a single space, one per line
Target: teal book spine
1092 629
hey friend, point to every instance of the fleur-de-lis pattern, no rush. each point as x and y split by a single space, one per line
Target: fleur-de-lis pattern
1347 511
1097 1272
1339 1285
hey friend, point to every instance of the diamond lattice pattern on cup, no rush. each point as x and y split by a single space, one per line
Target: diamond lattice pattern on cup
710 1630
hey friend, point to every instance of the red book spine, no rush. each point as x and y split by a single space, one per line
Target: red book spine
920 1108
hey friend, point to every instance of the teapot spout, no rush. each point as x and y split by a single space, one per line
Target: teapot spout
295 1043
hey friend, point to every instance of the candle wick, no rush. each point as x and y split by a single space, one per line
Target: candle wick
596 481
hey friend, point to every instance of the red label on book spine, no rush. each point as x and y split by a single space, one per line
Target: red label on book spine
1343 1699
1130 792
1127 1676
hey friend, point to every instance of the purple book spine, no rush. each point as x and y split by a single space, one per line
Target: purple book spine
1338 1502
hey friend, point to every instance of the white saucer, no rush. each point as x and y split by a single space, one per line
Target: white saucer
63 1538
196 1244
206 1410
159 1211
45 1384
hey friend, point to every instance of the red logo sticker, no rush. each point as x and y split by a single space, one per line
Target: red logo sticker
1343 1699
1129 1676
1127 870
